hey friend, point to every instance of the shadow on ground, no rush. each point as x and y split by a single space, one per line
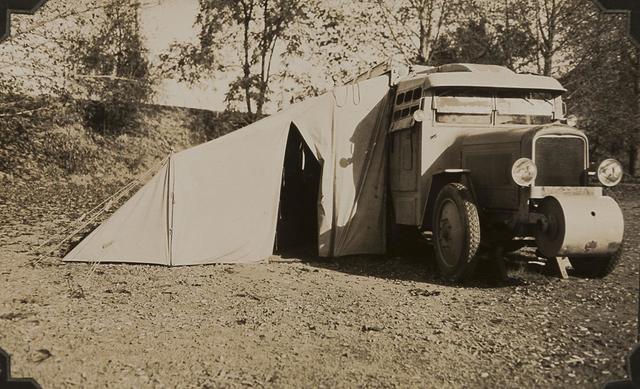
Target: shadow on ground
415 262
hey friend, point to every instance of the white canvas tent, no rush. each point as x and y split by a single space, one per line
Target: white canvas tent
218 202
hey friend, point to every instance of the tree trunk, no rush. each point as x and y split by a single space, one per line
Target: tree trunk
550 41
422 54
247 65
264 44
548 65
260 100
425 34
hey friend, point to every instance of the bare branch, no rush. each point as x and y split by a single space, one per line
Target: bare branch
25 112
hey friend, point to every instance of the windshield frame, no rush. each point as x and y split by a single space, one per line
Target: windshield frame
495 93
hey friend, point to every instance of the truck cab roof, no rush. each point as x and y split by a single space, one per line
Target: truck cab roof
476 76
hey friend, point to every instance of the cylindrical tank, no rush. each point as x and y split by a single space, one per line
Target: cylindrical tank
579 226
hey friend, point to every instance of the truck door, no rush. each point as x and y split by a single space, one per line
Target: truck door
450 112
404 160
455 111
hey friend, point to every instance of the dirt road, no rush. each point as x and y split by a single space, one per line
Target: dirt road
361 321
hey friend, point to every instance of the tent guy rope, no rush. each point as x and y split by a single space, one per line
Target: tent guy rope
95 213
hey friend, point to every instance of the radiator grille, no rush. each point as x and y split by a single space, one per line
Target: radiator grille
560 161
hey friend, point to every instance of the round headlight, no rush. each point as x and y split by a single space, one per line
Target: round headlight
610 172
524 171
418 115
572 120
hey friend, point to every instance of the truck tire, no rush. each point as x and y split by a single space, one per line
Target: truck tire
456 232
598 267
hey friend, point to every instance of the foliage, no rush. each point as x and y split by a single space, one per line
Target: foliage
604 85
354 37
209 125
478 41
37 132
33 59
351 37
35 104
112 69
414 27
255 29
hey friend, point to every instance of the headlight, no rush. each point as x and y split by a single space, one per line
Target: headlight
524 171
610 172
572 121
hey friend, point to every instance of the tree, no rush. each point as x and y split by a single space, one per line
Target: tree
35 99
112 69
548 23
351 37
604 86
479 40
256 29
507 33
412 28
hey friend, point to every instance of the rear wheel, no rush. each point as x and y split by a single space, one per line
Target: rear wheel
597 267
456 232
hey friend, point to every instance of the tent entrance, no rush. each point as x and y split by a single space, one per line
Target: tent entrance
297 229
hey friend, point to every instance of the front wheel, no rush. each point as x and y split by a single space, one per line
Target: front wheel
456 232
598 267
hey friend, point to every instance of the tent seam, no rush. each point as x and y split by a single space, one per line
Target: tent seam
170 202
334 222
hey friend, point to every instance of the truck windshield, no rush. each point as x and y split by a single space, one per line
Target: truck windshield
464 106
484 106
524 107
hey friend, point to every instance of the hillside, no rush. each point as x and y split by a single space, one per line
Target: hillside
54 144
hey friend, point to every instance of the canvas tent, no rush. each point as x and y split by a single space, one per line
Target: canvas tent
218 202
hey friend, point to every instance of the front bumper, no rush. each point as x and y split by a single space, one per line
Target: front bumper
540 192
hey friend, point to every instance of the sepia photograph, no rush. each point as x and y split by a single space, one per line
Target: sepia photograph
319 194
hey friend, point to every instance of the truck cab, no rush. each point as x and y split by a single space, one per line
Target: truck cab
482 157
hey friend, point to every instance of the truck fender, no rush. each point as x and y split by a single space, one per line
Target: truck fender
438 181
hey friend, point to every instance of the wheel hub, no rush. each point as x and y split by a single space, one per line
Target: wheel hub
451 233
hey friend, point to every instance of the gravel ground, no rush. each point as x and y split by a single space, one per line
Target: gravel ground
290 322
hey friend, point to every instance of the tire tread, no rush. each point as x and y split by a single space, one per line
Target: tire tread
472 221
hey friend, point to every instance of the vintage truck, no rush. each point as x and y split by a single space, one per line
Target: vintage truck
483 158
